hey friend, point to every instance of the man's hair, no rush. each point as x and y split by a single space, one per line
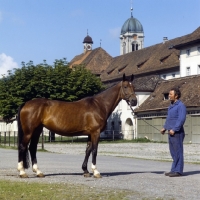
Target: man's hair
176 91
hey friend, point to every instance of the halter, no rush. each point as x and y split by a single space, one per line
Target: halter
126 97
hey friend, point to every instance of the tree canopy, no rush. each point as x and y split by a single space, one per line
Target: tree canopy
58 82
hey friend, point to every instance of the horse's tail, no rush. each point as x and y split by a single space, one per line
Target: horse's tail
22 149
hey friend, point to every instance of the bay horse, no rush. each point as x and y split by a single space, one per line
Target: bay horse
87 116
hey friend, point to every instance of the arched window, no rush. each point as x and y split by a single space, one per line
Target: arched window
134 46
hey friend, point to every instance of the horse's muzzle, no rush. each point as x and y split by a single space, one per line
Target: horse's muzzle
133 102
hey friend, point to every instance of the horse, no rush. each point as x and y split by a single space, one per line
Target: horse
87 116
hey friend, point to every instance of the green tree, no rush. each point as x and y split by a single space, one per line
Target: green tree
54 82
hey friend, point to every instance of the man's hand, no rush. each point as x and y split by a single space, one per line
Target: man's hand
162 131
171 132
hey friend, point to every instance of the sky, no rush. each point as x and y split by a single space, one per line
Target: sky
40 30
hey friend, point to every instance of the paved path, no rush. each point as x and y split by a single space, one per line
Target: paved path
145 177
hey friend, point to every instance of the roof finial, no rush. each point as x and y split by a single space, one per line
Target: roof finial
87 31
131 8
100 42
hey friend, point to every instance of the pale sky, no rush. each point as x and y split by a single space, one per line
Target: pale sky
52 29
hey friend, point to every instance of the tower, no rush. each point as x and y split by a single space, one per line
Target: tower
132 35
87 43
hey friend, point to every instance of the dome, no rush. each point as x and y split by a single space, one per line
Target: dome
88 39
132 25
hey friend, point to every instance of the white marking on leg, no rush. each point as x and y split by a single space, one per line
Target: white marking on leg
94 169
36 169
20 168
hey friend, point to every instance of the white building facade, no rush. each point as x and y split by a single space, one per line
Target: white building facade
190 60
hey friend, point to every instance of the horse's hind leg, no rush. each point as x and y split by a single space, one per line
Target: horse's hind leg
33 151
87 155
23 157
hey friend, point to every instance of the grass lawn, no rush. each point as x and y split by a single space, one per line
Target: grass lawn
44 191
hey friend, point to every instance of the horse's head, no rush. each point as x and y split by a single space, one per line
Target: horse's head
127 91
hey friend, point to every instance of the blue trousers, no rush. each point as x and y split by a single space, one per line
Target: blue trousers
176 151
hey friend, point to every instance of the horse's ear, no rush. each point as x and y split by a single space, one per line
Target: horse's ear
132 77
124 77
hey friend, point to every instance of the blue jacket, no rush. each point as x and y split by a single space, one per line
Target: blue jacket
176 117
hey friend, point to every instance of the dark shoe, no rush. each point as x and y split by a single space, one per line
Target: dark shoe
167 173
174 174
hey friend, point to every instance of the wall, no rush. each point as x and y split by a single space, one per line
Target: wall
167 76
192 60
191 126
11 127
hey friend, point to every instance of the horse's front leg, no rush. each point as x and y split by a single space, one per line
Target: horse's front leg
33 150
95 141
87 155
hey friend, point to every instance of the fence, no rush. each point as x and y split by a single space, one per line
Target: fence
10 138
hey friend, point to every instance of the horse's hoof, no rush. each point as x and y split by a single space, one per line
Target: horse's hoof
40 175
86 175
23 176
97 176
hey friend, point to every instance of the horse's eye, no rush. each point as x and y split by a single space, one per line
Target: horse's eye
125 87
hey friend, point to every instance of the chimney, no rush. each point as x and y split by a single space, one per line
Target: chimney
165 39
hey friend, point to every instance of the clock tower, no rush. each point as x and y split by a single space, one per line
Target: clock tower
87 43
132 35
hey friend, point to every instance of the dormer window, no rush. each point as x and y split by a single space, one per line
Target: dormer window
110 71
166 96
139 65
121 69
162 60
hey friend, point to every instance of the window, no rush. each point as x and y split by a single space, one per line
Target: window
164 76
134 46
120 125
166 96
187 71
198 49
198 69
188 52
173 75
112 125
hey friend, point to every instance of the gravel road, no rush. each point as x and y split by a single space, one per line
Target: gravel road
137 167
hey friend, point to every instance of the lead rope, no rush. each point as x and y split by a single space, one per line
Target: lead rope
140 117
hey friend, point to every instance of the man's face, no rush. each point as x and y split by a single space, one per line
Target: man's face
172 96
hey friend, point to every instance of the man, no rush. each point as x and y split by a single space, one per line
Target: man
174 125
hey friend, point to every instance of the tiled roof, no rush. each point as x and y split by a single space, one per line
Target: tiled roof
141 84
190 94
96 60
150 60
189 39
146 83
